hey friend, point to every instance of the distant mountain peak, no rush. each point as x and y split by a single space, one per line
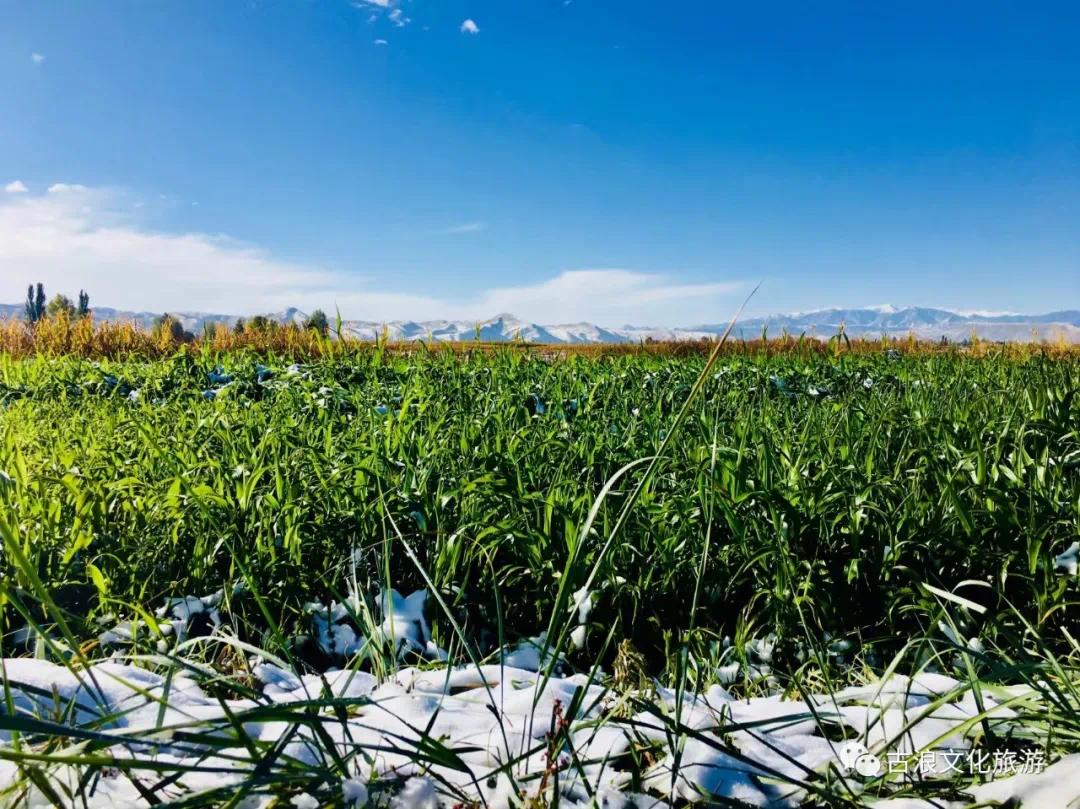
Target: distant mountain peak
871 321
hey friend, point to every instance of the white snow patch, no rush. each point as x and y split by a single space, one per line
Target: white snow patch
175 621
531 654
749 750
403 626
354 791
1056 787
1068 562
418 793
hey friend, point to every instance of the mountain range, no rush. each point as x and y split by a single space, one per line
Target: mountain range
923 322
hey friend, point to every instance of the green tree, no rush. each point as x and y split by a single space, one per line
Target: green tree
84 304
31 308
167 324
261 324
239 326
317 321
35 303
60 304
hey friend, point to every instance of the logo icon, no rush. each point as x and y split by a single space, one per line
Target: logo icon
855 756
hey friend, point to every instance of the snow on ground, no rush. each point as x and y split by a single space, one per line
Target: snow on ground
494 720
1067 562
758 751
1056 787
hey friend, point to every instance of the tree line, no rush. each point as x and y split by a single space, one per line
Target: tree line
259 324
36 309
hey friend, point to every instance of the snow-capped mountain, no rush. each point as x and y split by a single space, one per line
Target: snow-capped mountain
501 328
923 322
872 321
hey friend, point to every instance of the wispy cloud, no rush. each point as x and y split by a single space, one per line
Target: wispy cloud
470 27
66 188
74 237
37 58
390 8
609 297
381 42
16 187
466 227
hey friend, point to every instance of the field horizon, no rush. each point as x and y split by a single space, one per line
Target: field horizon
875 322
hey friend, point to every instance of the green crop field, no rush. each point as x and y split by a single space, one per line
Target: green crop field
787 525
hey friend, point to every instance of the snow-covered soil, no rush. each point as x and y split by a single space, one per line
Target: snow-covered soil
493 726
493 735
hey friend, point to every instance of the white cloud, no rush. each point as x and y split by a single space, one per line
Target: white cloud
16 187
66 188
37 58
470 27
466 227
381 42
376 8
75 237
609 297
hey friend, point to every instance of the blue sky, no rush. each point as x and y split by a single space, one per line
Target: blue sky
618 162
